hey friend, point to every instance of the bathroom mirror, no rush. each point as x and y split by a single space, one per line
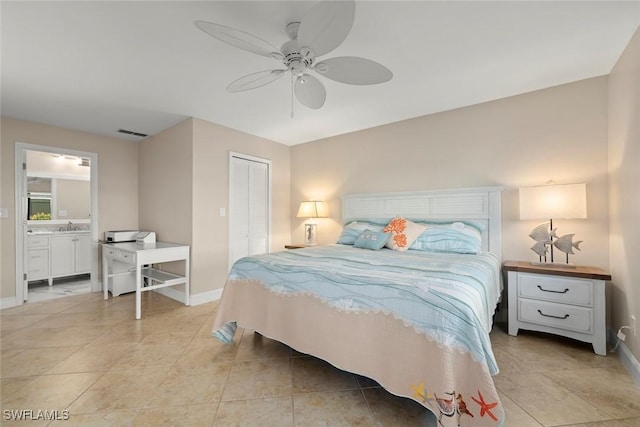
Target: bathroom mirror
58 199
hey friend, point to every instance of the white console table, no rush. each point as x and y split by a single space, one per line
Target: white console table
127 263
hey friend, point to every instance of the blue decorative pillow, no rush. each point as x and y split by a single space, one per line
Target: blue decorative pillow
455 237
353 230
373 240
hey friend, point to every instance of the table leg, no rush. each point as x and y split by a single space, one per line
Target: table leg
187 290
138 292
105 276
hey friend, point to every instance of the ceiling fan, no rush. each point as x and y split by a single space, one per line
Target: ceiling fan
323 28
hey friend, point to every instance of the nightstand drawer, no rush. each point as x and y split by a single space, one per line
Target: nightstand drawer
560 316
556 289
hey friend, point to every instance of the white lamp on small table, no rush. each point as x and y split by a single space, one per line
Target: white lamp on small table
311 209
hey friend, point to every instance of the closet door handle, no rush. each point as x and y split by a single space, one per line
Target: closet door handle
551 290
551 315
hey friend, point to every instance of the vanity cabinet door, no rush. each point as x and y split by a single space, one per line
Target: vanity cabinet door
62 255
83 254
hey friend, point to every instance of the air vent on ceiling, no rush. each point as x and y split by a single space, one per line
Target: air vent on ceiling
132 133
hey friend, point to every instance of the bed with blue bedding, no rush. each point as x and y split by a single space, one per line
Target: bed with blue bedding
416 321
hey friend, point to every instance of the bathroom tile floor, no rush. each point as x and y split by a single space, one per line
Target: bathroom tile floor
41 291
89 357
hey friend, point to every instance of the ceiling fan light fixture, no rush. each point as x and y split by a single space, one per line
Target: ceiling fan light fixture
297 68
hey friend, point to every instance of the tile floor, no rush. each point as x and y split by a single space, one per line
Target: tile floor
90 357
68 286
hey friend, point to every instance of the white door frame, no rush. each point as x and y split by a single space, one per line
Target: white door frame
233 154
21 210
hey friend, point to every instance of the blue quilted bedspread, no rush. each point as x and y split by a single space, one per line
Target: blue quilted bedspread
450 298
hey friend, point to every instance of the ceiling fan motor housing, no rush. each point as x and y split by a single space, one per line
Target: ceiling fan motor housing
296 59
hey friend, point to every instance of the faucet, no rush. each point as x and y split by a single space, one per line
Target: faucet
68 227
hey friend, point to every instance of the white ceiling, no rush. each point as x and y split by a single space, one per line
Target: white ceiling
99 66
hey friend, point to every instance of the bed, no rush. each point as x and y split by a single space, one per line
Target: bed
415 318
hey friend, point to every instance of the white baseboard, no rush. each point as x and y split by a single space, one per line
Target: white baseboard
8 302
171 293
627 358
205 297
196 299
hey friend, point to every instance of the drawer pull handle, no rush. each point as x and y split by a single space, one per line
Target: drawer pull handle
551 290
551 315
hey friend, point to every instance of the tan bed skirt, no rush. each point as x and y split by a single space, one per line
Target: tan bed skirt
446 381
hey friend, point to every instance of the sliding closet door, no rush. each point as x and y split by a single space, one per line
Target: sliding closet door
248 207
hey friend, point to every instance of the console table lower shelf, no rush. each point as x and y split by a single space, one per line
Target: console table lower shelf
125 266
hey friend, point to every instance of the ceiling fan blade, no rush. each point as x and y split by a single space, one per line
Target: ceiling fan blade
254 80
326 26
240 39
354 70
310 91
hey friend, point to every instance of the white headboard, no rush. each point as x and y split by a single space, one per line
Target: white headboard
482 205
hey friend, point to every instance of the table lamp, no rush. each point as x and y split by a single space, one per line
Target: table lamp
553 202
311 209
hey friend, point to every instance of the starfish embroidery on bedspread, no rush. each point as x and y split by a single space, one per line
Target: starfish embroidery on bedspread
485 408
418 391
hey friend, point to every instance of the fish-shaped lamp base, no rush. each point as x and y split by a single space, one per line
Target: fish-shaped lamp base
544 235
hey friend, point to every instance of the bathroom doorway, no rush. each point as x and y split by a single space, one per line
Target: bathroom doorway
56 222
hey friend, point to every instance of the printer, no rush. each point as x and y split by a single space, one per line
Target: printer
119 236
145 237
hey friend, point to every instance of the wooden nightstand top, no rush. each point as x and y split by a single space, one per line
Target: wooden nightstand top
582 271
296 246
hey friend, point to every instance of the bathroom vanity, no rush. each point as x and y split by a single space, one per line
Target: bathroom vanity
53 254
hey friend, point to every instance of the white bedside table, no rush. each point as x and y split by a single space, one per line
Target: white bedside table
558 300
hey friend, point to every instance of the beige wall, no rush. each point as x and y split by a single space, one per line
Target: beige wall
212 145
165 203
624 179
117 180
555 134
184 181
73 196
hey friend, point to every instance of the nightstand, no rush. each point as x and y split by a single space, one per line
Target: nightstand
558 300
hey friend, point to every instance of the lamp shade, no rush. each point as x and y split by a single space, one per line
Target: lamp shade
312 209
553 201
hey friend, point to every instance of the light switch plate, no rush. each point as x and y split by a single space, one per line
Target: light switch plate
4 213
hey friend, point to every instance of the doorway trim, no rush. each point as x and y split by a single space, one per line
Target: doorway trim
21 210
